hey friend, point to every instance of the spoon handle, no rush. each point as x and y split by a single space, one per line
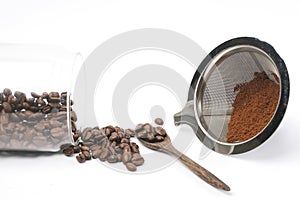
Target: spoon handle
200 171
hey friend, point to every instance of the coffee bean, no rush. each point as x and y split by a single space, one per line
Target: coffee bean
40 101
35 116
80 158
137 159
34 95
45 95
14 117
87 155
7 92
40 141
130 166
160 131
150 137
112 159
55 123
147 127
69 151
3 117
96 153
57 132
46 109
130 132
159 138
126 157
84 148
76 149
7 107
159 121
103 155
124 140
73 116
134 147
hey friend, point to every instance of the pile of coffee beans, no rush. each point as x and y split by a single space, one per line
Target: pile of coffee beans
37 122
111 144
149 133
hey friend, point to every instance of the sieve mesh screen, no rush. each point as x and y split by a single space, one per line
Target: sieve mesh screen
217 94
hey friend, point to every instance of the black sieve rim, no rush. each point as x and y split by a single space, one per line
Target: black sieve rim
237 148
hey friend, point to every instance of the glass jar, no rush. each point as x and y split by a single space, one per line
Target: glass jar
35 100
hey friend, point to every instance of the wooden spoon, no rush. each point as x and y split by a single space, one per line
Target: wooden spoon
167 147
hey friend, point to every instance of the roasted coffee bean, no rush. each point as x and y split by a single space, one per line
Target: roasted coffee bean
7 107
147 127
11 99
159 138
130 132
73 116
87 155
112 159
86 135
84 148
96 153
80 158
76 149
57 132
7 92
3 117
160 131
46 109
134 147
45 95
34 95
130 166
39 127
75 136
137 159
114 137
14 117
35 116
40 141
73 126
34 109
150 137
159 121
104 154
69 151
124 140
40 101
126 157
139 127
55 123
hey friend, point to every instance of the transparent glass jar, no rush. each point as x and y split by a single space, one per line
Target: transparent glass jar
35 97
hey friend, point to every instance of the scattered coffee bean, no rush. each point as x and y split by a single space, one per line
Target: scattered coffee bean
87 155
159 121
130 166
68 151
80 158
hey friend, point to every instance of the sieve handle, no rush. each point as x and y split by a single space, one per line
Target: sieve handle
186 116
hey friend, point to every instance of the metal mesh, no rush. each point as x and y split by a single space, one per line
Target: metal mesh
218 94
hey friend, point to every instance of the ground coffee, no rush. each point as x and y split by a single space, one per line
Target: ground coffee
253 107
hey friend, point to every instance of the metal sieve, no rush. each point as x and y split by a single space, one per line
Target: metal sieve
211 94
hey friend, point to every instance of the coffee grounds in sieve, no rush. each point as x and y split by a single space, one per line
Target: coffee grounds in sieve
253 107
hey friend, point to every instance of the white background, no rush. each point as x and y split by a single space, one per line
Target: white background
270 171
